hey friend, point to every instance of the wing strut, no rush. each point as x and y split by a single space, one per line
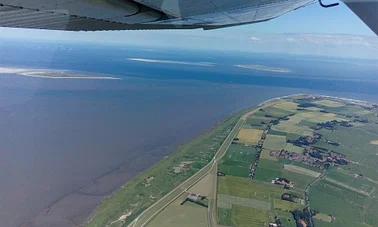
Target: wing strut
328 5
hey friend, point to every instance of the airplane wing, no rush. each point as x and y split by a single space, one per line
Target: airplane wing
93 15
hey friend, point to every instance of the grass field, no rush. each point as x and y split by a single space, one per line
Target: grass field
249 217
323 217
344 204
268 170
329 103
292 148
181 215
286 219
237 160
274 142
295 119
274 112
286 205
326 117
244 188
249 136
224 216
288 106
288 127
227 201
301 170
265 154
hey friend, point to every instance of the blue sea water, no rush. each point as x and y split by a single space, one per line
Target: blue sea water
67 143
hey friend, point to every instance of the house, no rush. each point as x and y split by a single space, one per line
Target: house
284 182
272 224
303 223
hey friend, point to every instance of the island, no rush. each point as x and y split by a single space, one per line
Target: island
53 74
295 161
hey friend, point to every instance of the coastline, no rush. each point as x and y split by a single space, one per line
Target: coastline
97 215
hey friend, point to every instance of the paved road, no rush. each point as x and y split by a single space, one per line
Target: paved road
146 216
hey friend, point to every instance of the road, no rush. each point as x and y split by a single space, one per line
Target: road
146 216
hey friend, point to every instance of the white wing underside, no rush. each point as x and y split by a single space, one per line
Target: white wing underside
92 15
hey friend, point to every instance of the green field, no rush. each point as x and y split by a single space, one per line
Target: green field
274 142
268 170
274 112
292 148
346 205
224 216
286 219
265 154
286 205
237 160
227 201
244 188
249 217
288 127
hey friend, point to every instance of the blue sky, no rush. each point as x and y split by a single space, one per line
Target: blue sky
277 35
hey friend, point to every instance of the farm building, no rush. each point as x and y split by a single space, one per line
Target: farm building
282 181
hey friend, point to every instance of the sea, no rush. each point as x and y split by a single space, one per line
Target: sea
66 144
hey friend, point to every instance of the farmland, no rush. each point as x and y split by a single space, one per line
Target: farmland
249 136
274 142
325 148
290 159
249 217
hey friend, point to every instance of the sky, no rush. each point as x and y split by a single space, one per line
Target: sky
308 30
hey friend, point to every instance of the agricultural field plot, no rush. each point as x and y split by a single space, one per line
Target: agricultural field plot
244 188
268 170
295 119
349 110
237 160
274 142
286 205
346 205
240 153
301 170
326 117
181 215
287 127
292 148
323 217
257 122
287 105
273 112
329 103
313 108
234 170
355 144
351 180
224 216
307 115
227 201
249 136
265 154
204 186
249 217
286 218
